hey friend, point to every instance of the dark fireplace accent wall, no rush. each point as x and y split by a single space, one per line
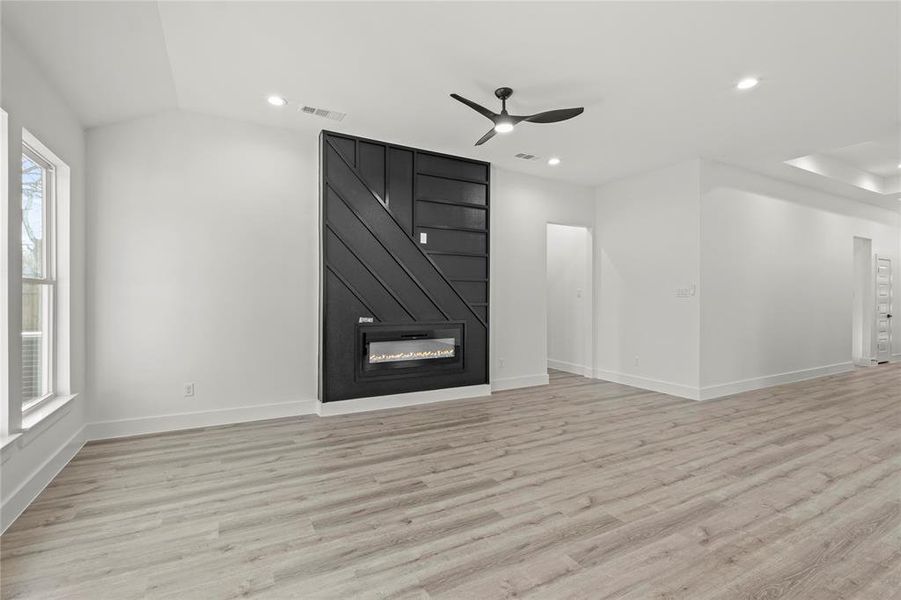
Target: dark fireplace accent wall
404 273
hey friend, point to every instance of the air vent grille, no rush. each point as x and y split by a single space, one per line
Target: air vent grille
322 112
525 156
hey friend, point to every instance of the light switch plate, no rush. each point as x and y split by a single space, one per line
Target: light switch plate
423 237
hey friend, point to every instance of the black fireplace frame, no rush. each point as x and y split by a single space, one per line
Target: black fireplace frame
381 332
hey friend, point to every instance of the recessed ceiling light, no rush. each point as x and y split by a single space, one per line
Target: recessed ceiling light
276 100
553 161
747 83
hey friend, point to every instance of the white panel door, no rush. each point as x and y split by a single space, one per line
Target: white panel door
883 309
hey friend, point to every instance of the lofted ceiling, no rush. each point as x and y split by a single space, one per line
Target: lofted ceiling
657 79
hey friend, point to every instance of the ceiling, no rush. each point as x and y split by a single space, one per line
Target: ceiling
872 167
657 79
879 157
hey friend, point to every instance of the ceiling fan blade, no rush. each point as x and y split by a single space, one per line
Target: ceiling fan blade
486 137
476 107
555 116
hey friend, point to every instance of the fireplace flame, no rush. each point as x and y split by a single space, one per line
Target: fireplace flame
416 355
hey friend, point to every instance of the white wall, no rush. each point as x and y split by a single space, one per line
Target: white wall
863 302
521 208
647 248
771 264
569 306
777 275
32 458
203 246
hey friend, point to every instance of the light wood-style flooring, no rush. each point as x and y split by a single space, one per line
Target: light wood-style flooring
579 489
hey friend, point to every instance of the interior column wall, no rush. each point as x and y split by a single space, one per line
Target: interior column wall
646 265
521 207
863 301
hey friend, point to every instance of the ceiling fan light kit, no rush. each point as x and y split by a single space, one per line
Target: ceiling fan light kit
504 122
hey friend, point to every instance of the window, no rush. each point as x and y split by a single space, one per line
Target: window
5 330
38 278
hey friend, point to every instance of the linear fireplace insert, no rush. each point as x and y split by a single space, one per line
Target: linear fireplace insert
409 349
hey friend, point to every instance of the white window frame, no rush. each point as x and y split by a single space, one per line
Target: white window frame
23 418
48 359
6 423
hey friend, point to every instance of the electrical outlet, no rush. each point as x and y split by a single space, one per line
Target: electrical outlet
636 360
189 389
500 363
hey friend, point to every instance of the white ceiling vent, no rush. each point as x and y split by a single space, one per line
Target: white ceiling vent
525 156
321 112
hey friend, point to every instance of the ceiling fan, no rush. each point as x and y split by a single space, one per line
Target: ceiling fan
504 122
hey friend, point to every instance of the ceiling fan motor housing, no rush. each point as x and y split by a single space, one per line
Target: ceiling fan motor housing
503 92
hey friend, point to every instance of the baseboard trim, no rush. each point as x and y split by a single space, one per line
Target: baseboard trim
646 383
356 405
103 430
746 385
514 383
26 493
562 365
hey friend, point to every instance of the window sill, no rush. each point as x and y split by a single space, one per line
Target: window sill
35 424
8 440
38 416
45 410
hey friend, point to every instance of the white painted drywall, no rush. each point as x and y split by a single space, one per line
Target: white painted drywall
569 310
521 207
646 248
203 245
777 275
863 302
32 102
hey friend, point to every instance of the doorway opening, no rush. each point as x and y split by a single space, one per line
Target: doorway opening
570 327
862 351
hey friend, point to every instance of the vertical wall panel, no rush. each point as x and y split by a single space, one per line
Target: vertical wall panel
372 166
400 186
347 147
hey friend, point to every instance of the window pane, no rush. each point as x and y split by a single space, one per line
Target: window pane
35 341
34 190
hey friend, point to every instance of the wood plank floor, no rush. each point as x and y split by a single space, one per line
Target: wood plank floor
579 489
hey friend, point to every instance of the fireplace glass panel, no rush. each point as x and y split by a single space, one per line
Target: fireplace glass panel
407 350
389 350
